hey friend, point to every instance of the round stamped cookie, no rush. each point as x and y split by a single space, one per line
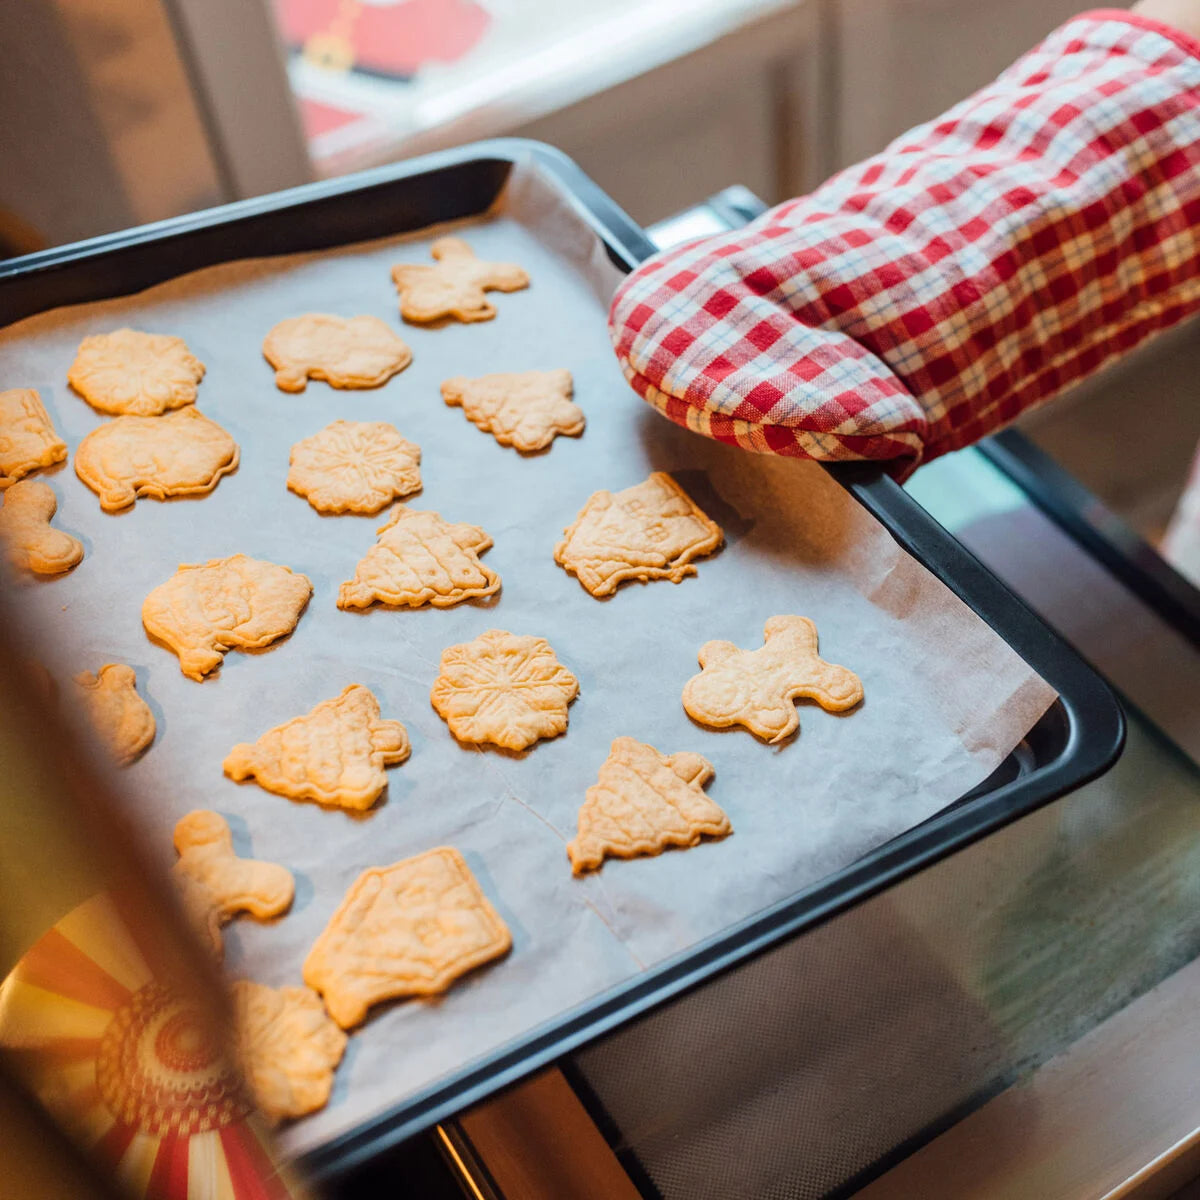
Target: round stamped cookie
130 373
346 352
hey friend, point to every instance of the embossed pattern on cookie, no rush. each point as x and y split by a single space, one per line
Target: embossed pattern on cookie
354 466
346 352
29 541
755 688
650 531
130 373
182 454
505 689
455 285
216 884
334 754
410 929
526 409
28 440
642 803
236 603
421 559
122 719
288 1048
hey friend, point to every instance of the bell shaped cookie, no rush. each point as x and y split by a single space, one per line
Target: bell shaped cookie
526 410
505 689
28 440
421 559
755 688
455 286
346 352
236 603
216 884
288 1048
410 929
642 803
29 541
130 373
122 719
354 466
650 531
334 755
181 454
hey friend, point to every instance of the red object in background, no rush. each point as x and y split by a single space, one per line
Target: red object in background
389 37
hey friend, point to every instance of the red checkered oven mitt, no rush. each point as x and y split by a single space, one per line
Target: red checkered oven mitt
980 265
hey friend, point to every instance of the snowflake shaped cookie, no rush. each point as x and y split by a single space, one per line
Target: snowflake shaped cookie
130 373
505 689
354 466
455 286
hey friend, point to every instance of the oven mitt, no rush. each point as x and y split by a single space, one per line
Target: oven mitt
980 265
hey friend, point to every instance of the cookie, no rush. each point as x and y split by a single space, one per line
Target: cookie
30 543
755 688
129 373
455 286
642 803
354 466
421 559
346 352
410 929
503 688
236 603
216 885
334 754
122 719
182 454
288 1048
650 531
28 440
526 410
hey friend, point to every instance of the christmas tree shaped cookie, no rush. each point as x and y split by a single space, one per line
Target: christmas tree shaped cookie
642 803
455 285
334 755
421 559
526 410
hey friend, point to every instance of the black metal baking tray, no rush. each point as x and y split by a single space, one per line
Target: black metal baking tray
1078 738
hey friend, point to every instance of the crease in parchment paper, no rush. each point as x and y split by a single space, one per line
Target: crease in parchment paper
945 698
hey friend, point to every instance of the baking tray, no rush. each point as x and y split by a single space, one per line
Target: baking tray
1077 738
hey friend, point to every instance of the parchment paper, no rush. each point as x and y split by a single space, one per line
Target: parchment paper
945 697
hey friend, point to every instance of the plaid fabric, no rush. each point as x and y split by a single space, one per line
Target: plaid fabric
981 264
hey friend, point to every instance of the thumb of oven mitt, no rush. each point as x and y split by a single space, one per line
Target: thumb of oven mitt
980 265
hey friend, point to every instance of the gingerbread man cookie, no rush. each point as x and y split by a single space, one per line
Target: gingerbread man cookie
28 440
30 543
755 688
216 884
130 373
346 352
455 286
527 410
122 719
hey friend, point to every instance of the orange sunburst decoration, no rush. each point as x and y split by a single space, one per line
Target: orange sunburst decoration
135 1072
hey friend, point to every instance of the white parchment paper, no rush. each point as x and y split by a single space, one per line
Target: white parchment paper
946 699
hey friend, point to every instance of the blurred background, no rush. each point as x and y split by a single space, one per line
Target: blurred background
118 112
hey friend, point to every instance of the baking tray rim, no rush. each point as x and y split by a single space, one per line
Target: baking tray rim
1094 720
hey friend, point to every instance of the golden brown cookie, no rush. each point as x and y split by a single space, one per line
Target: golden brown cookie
334 754
129 373
181 454
216 885
650 531
410 929
29 541
421 559
505 689
288 1048
28 440
121 717
756 688
455 287
526 410
354 466
235 603
642 803
346 352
